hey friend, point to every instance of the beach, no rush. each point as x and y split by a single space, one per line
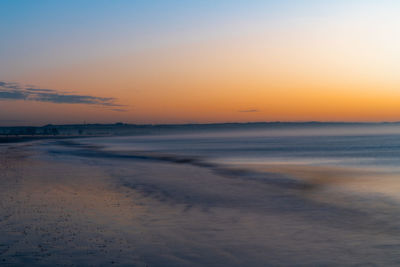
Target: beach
199 133
74 203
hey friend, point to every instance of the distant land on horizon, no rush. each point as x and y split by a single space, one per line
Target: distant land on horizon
120 128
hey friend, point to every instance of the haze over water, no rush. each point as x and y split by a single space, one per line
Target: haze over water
375 146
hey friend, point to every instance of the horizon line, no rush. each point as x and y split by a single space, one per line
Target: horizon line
208 123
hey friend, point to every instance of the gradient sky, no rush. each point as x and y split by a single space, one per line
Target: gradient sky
198 61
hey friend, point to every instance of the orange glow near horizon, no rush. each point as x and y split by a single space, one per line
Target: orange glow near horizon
333 66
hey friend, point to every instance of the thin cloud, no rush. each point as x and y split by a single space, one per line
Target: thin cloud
11 94
15 91
119 110
249 110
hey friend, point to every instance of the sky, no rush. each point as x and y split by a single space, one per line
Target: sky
161 61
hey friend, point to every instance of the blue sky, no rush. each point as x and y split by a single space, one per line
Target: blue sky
159 58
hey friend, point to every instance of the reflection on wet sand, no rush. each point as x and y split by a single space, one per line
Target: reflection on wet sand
363 180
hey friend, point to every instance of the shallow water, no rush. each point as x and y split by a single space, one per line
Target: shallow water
345 154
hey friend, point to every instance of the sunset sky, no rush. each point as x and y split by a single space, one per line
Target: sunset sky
198 61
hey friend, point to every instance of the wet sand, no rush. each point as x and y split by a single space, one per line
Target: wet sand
58 209
53 213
